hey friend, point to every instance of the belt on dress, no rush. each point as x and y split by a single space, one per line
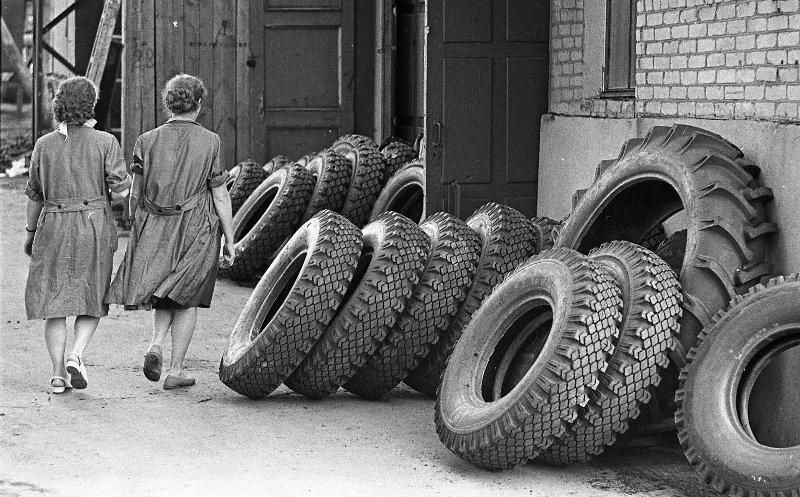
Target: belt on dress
74 204
173 210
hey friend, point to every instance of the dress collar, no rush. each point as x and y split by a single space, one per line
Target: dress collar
179 120
62 127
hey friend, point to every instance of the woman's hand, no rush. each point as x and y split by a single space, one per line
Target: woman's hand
228 255
28 248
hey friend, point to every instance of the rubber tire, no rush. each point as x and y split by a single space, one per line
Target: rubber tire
373 302
404 193
397 153
454 254
673 250
346 143
288 192
247 180
710 428
332 173
233 173
545 229
255 366
500 433
507 239
654 238
304 160
276 163
726 220
651 297
365 185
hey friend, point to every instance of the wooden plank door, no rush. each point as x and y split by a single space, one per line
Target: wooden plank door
301 75
487 88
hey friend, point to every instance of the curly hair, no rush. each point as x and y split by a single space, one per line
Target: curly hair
74 101
182 94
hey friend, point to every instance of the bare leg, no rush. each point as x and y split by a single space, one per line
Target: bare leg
162 320
55 335
84 329
182 331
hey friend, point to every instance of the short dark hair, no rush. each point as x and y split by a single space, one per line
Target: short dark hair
74 101
182 94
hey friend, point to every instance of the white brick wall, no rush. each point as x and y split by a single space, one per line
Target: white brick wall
721 59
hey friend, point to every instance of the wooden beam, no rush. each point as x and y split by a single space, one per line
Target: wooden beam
102 42
11 53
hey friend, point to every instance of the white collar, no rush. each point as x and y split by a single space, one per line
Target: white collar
62 127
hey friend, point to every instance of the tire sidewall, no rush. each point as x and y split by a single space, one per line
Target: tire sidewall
462 408
710 403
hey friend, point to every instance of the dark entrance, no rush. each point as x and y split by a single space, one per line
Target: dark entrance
301 77
487 88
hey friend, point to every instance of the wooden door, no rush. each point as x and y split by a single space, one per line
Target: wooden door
301 75
487 88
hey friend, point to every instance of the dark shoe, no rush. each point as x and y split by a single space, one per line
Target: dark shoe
152 363
173 382
77 371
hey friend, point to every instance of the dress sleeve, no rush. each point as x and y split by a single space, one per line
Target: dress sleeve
218 175
117 178
34 187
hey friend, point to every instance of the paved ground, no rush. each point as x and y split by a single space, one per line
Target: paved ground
127 436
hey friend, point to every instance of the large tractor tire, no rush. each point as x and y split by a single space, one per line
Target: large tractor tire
715 390
507 239
527 360
404 193
292 305
332 173
365 184
651 309
268 218
397 153
447 278
248 177
690 169
392 260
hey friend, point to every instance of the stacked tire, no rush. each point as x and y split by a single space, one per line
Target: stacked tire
558 359
367 309
270 202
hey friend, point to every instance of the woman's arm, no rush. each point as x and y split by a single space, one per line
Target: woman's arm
34 211
222 203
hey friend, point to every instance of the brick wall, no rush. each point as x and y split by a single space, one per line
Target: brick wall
574 89
721 59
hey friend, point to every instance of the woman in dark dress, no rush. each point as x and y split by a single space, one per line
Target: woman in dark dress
179 202
71 234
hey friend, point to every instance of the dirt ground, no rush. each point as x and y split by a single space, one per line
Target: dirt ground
126 436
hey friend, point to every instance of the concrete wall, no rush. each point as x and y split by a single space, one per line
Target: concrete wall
565 167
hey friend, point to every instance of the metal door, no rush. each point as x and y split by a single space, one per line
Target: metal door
487 87
301 75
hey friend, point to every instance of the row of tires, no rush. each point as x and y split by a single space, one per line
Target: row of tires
367 309
575 344
570 349
353 177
